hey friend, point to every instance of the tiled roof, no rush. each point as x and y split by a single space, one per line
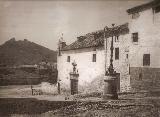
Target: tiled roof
144 7
118 30
96 39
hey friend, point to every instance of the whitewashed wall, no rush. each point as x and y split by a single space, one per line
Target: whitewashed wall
87 69
148 27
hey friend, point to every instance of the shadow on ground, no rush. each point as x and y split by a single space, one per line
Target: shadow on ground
9 106
30 107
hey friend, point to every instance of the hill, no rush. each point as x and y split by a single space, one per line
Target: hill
22 52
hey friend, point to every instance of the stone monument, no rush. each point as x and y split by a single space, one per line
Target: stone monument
110 78
74 79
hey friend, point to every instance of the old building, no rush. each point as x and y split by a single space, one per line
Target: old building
88 52
144 46
136 52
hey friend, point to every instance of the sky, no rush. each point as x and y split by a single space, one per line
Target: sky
43 22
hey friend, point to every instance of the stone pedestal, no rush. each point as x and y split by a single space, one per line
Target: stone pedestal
110 87
74 82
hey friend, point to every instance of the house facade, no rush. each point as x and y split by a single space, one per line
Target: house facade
136 52
89 57
145 46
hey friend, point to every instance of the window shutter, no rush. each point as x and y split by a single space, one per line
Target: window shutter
68 58
116 53
146 60
135 37
94 58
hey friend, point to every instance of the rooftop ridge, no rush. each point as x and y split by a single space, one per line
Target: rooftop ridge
143 7
96 39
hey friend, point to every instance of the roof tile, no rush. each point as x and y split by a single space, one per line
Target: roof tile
143 7
96 39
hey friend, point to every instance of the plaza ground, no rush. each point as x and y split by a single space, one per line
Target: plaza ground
17 101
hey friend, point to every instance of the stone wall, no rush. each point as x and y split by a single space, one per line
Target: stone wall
20 81
145 78
147 26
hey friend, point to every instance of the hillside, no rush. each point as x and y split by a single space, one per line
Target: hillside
21 52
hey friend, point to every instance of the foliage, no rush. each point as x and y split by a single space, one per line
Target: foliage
13 53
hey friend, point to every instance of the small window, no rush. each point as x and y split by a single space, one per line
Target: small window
146 60
94 58
126 56
157 9
135 37
116 38
68 58
116 53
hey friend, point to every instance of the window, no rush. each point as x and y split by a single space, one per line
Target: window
126 56
116 53
135 37
157 9
68 58
116 38
146 60
94 58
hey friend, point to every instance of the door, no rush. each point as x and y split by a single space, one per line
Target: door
74 86
118 82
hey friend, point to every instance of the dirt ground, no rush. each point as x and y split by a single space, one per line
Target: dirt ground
17 101
107 109
110 108
24 91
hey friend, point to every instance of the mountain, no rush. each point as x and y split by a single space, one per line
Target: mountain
22 52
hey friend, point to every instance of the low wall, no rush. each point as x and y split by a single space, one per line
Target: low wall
144 78
14 76
29 106
19 81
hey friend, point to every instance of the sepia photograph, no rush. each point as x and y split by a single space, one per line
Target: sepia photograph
79 58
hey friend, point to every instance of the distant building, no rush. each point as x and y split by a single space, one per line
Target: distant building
136 52
47 65
28 66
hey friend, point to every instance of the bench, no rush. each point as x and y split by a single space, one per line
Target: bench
36 91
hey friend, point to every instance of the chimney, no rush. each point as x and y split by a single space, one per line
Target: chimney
61 45
81 38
